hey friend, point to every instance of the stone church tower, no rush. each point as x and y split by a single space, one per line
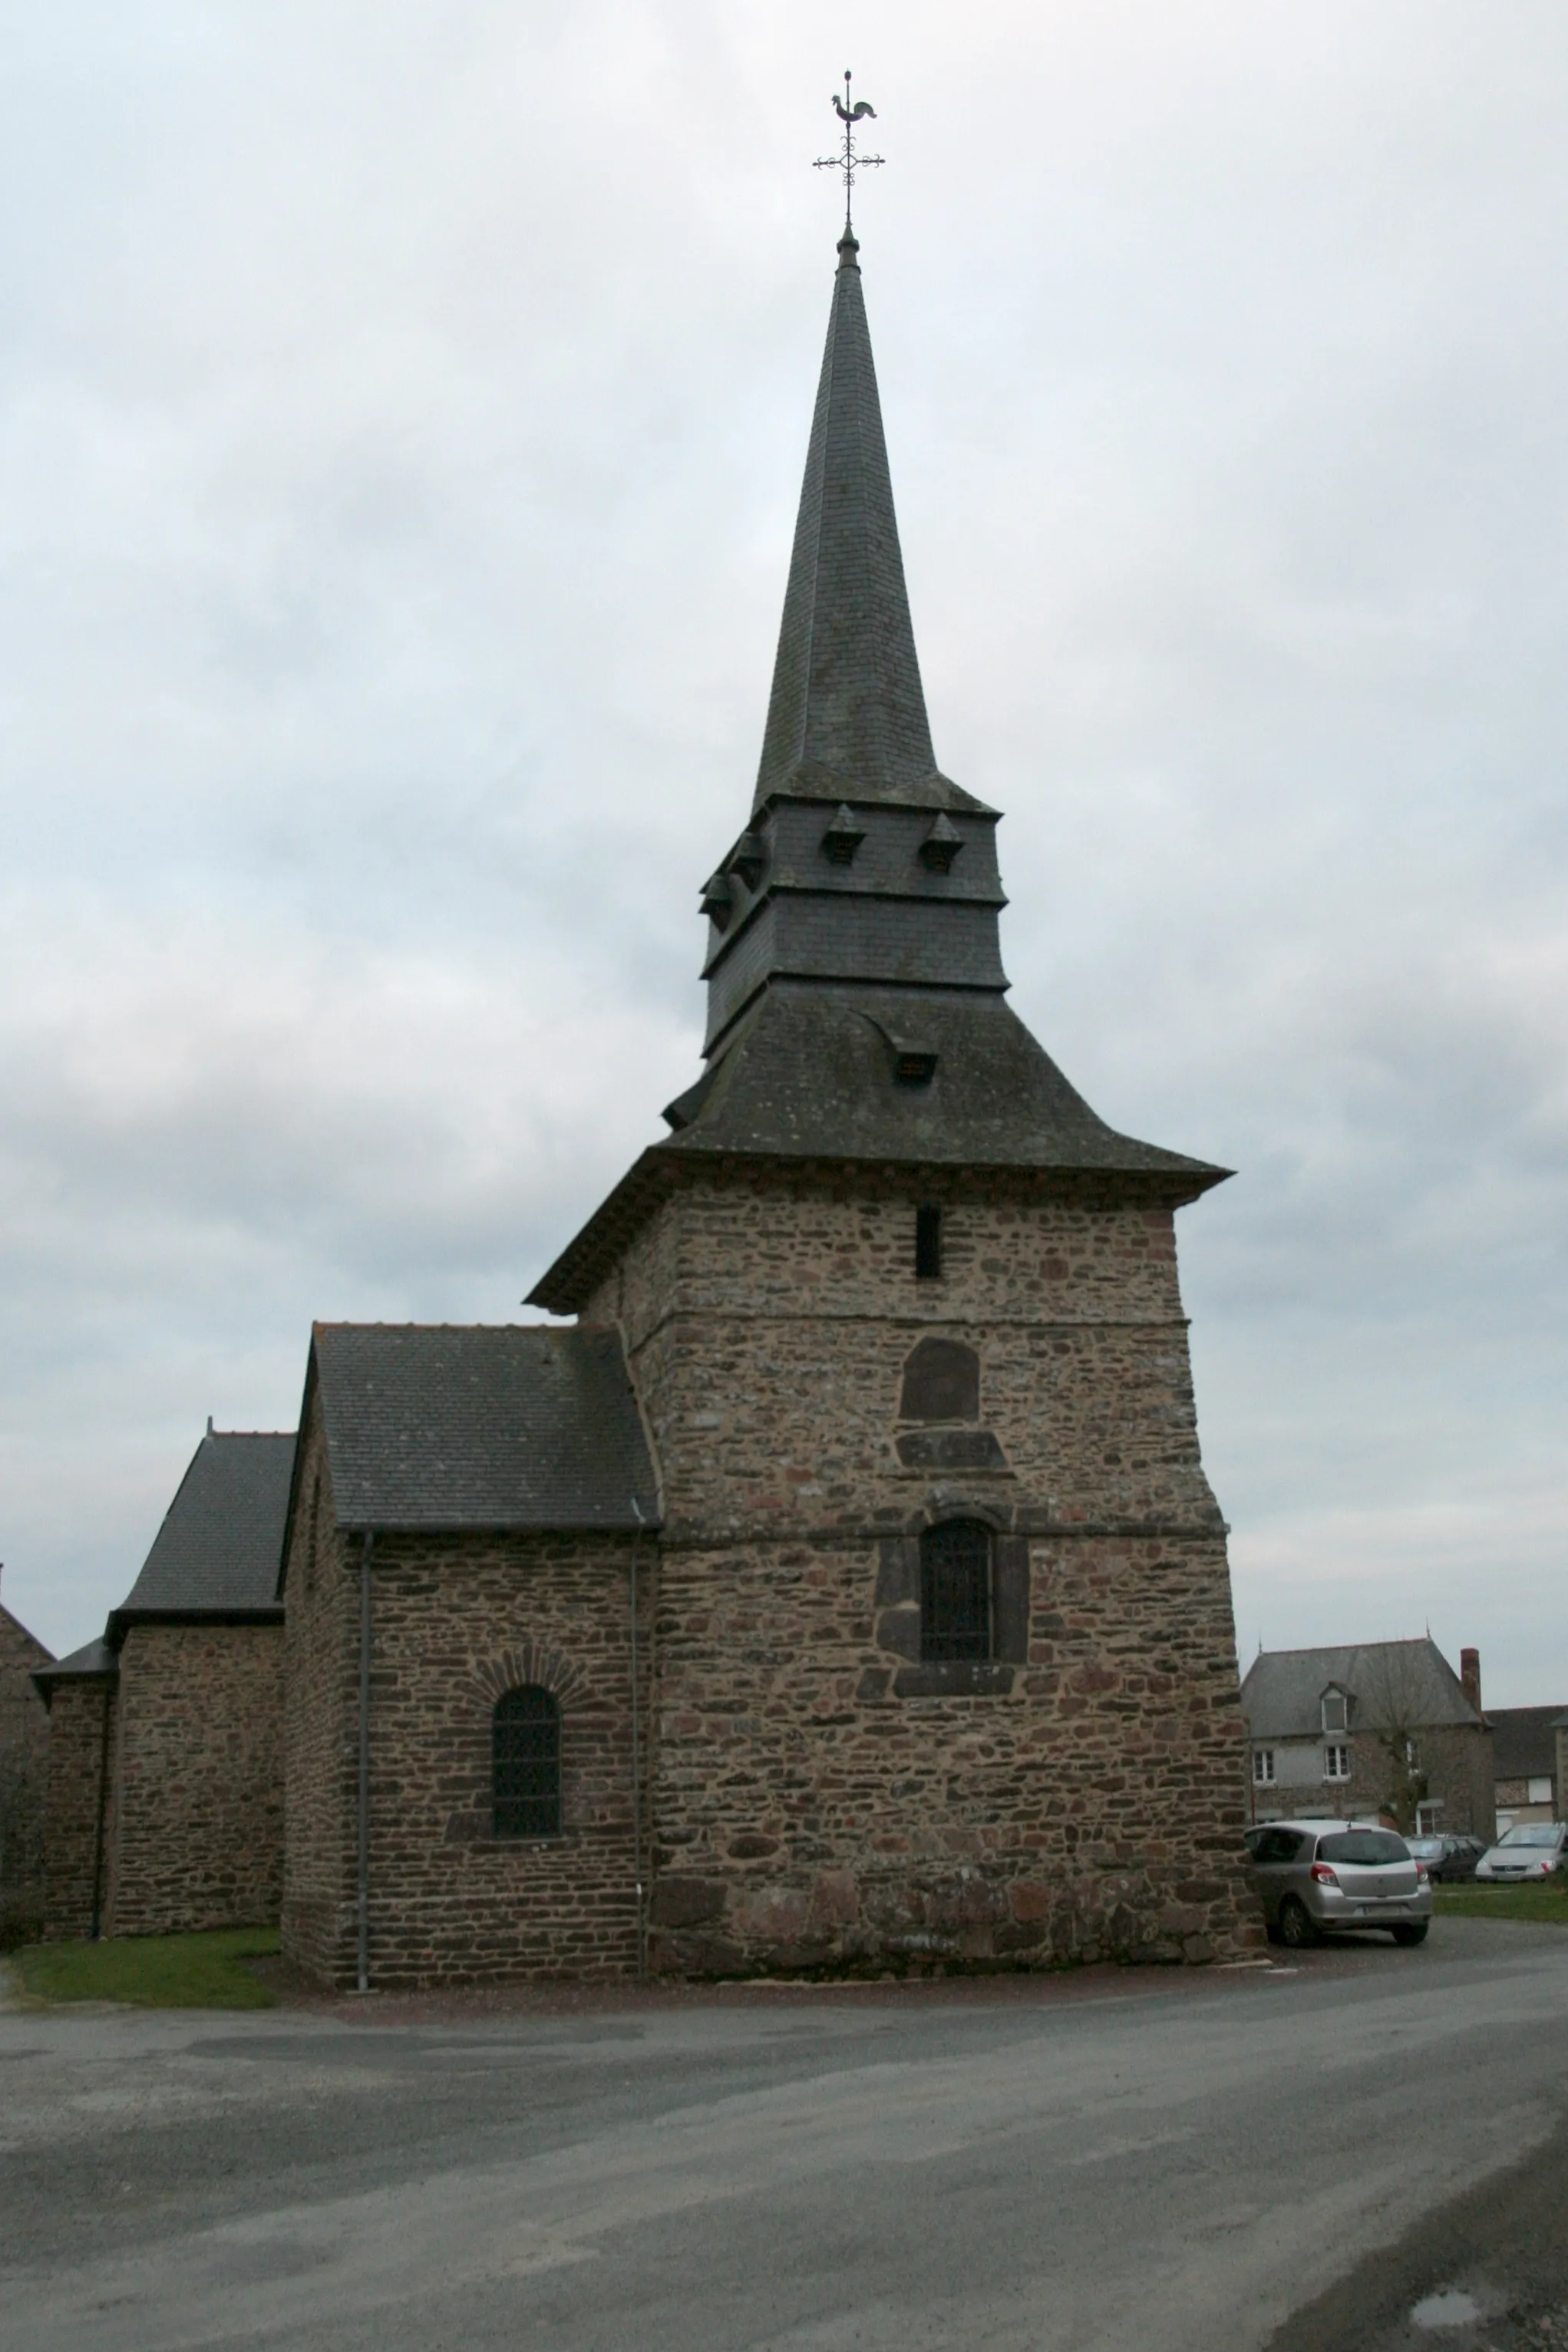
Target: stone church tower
844 1588
944 1657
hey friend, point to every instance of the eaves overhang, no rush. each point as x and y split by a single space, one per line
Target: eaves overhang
567 1287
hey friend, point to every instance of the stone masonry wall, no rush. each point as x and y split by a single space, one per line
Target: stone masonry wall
71 1812
24 1773
1457 1761
822 1798
198 1780
455 1621
320 1738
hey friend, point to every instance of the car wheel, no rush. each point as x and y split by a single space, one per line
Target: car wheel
1415 1934
1296 1929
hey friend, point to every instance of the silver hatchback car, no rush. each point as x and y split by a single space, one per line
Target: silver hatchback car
1313 1875
1530 1850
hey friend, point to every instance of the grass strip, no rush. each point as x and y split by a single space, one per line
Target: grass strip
152 1971
1548 1902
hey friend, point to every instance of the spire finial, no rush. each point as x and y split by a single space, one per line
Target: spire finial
849 162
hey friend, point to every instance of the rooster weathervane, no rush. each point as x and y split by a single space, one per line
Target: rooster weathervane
849 162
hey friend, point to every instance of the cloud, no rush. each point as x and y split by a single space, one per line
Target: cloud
401 421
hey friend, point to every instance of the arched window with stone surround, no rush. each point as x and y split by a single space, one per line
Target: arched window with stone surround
525 1750
941 1383
956 1612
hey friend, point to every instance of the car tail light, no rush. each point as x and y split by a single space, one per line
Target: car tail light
1323 1875
1421 1871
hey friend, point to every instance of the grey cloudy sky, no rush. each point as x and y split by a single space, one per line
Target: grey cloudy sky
401 411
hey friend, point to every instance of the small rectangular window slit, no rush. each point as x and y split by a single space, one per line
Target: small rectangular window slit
927 1244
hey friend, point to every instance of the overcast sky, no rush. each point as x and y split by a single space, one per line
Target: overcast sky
401 415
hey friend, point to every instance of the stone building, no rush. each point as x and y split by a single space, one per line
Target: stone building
1380 1728
165 1781
1529 1757
24 1757
844 1587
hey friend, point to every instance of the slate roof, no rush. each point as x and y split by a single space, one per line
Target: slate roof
1281 1694
847 714
446 1427
219 1550
94 1662
811 1075
1525 1741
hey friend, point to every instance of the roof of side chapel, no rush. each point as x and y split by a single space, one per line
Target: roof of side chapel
511 1426
221 1544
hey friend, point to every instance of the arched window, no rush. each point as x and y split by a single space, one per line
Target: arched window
941 1383
955 1590
524 1748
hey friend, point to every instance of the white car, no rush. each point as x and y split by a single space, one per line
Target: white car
1529 1849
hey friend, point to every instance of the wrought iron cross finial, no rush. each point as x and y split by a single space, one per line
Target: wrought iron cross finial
849 162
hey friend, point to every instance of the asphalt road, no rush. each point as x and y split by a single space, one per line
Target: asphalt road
1198 2159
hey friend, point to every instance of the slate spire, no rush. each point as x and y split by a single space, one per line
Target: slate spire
847 714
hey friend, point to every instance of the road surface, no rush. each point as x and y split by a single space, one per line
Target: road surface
1191 2159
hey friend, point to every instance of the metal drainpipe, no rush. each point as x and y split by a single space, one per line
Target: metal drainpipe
366 1548
637 1757
102 1809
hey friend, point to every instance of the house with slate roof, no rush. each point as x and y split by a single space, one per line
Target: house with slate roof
1377 1728
1529 1758
165 1784
842 1587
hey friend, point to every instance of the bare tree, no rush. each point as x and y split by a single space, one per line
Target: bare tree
1394 1695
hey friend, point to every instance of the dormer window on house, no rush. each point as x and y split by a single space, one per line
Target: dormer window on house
1336 1711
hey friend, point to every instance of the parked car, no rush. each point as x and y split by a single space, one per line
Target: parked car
1448 1858
1528 1850
1313 1875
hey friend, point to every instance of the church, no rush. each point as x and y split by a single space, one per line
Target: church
840 1588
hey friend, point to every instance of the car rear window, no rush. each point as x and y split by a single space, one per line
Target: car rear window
1531 1834
1279 1846
1369 1847
1425 1848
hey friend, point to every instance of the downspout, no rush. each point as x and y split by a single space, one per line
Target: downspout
103 1811
637 1757
366 1548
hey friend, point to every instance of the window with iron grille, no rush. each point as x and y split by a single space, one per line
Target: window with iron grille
526 1763
955 1590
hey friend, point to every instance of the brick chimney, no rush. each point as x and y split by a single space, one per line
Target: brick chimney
1470 1676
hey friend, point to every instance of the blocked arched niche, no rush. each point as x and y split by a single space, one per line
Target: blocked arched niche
941 1383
